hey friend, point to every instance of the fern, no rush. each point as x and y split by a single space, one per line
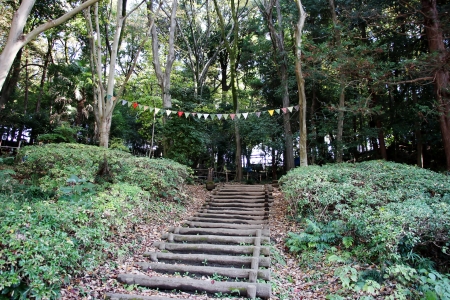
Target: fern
319 236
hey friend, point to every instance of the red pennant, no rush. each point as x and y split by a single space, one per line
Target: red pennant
180 113
135 105
284 109
232 116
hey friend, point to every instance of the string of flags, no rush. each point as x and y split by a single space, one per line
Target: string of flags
187 114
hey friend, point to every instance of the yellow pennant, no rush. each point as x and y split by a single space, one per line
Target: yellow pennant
271 112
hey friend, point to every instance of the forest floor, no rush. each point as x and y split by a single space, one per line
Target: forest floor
289 280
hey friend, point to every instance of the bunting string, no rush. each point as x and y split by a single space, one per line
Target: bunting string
205 116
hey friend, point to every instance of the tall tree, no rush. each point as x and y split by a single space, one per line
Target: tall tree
301 83
105 96
17 39
164 77
281 60
232 49
437 47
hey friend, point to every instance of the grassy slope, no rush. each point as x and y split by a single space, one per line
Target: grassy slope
56 213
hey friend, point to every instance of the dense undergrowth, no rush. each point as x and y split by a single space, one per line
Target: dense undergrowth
59 203
392 219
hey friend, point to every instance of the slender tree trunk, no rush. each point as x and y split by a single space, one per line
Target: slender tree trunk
340 127
380 131
25 97
313 148
44 75
418 133
436 44
301 84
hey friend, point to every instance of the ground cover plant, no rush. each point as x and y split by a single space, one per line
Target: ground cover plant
380 223
60 202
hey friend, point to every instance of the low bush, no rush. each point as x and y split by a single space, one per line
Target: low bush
55 218
381 212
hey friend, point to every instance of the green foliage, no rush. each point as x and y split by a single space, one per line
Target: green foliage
390 214
61 134
54 224
316 235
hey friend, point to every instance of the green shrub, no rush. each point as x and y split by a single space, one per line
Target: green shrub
54 222
382 212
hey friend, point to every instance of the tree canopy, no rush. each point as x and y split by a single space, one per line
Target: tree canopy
375 74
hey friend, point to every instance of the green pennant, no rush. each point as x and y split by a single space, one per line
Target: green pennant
277 111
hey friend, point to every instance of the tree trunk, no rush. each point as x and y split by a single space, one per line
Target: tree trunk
44 75
277 37
301 84
436 44
340 127
418 132
164 77
11 84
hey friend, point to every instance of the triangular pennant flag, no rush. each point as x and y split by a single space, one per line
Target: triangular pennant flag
271 112
145 107
129 104
113 98
232 116
157 110
140 106
290 108
150 109
284 109
258 113
194 114
206 116
168 112
225 116
199 116
186 114
180 113
238 115
245 115
135 105
108 97
277 111
124 102
213 116
296 107
219 116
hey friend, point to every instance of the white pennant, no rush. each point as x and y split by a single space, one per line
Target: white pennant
245 115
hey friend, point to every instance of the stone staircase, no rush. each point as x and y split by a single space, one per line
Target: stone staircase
227 242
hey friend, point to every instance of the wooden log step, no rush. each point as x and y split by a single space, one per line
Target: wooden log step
238 200
230 216
256 193
209 248
237 261
252 290
113 296
225 225
254 212
209 239
236 204
240 209
216 231
204 270
238 197
237 221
